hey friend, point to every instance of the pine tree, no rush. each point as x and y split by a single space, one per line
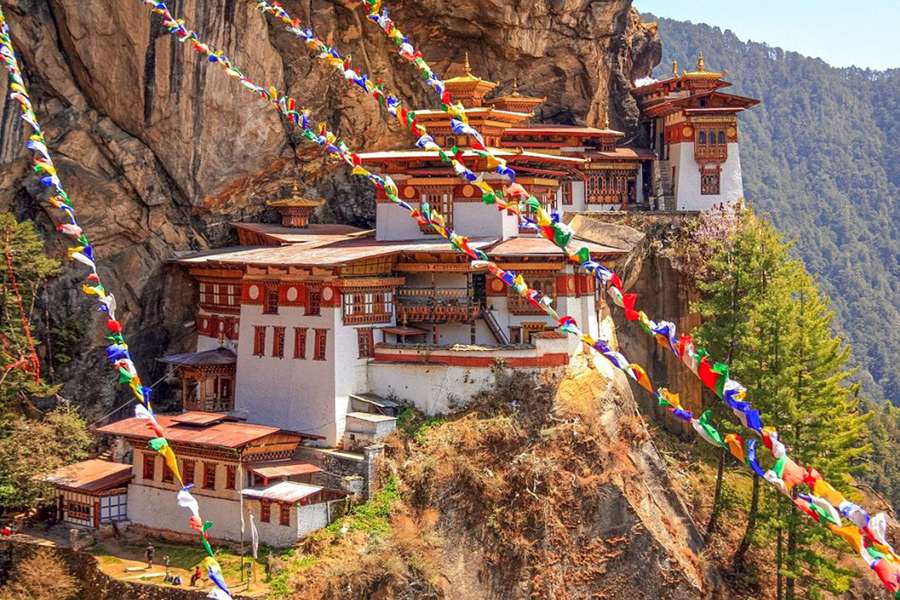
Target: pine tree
736 288
824 427
24 267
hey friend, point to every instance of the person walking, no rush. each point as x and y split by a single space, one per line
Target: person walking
148 554
195 576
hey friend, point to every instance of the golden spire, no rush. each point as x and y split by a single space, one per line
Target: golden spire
606 119
701 64
467 67
674 68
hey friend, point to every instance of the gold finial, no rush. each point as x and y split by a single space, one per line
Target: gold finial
295 191
515 85
606 119
674 68
467 67
701 64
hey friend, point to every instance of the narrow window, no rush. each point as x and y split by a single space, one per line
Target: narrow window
278 343
321 344
709 182
300 342
187 471
209 476
149 466
702 137
271 300
284 516
567 195
259 340
167 475
314 302
515 335
230 477
721 137
366 342
265 511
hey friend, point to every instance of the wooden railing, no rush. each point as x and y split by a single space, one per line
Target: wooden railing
430 305
711 151
520 306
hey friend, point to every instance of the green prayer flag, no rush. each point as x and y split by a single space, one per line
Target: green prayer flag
778 467
125 377
725 372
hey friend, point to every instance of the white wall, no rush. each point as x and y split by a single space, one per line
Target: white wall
157 508
290 393
394 223
438 389
430 388
687 188
473 219
476 219
311 518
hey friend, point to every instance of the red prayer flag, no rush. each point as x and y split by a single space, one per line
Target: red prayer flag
628 301
709 377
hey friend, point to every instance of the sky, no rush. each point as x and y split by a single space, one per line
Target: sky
862 34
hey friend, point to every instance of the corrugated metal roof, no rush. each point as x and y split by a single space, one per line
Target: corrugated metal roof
227 434
219 356
198 417
505 153
557 129
284 491
336 254
306 235
284 469
626 154
370 417
540 246
90 476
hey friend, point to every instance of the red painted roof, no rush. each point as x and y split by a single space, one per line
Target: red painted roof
539 246
227 434
625 154
284 469
336 254
90 476
555 129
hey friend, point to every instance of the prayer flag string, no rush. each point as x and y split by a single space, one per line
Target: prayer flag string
517 283
117 352
715 376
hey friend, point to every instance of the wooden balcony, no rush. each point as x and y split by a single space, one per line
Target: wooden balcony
718 152
430 305
520 306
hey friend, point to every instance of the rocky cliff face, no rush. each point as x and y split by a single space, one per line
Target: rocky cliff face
161 153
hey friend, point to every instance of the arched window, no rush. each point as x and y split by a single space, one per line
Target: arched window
702 137
721 137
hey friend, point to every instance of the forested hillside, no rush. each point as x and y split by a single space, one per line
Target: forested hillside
818 159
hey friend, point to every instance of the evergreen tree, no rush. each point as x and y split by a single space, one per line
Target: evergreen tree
24 267
28 446
824 427
737 285
764 315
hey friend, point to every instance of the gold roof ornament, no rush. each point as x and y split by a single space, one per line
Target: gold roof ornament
295 200
515 101
605 122
674 68
701 72
467 88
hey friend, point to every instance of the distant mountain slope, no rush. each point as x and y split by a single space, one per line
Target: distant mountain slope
820 155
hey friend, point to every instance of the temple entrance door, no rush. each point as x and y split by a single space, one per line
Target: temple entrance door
479 288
